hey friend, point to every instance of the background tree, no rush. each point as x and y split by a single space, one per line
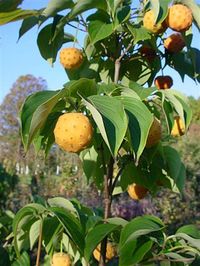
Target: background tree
10 145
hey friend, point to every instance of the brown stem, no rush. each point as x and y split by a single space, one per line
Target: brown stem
39 245
107 206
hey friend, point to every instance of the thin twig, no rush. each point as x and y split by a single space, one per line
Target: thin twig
39 244
71 25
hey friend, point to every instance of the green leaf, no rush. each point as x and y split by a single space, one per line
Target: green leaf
110 119
192 241
82 87
185 105
9 5
71 225
4 257
99 30
18 14
29 211
175 168
92 166
96 235
23 260
34 233
55 6
84 5
131 256
139 33
32 103
155 6
190 230
27 24
122 15
139 123
142 92
139 226
174 101
48 45
51 228
88 69
118 221
62 203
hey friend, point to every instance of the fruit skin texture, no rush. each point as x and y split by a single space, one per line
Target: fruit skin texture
154 133
148 53
110 252
148 23
179 18
71 58
61 259
73 132
174 43
163 82
136 191
178 127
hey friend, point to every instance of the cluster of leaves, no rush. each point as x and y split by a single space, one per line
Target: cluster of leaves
114 130
109 88
79 231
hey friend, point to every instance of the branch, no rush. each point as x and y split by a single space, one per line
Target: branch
39 245
118 63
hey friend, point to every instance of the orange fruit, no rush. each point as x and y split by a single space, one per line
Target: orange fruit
110 252
148 53
154 134
148 23
136 191
61 259
174 43
71 58
179 18
178 128
163 82
73 132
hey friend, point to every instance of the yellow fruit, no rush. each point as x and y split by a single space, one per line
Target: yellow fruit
73 132
179 18
174 43
178 127
71 58
154 133
61 259
148 22
110 252
136 191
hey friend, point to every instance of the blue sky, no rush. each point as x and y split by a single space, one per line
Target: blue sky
23 57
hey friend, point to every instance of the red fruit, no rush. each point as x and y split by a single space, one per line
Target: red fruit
174 43
163 82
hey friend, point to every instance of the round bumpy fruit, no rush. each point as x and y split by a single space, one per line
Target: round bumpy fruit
61 259
110 252
178 128
154 133
136 191
148 22
174 43
163 82
71 58
148 53
179 18
73 132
